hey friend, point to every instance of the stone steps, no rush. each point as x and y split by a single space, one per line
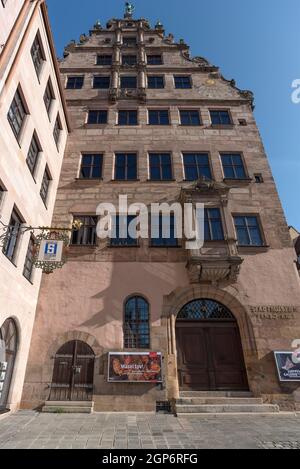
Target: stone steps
241 394
68 407
226 409
219 402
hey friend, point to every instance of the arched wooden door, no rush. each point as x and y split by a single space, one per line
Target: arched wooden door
73 374
209 348
8 351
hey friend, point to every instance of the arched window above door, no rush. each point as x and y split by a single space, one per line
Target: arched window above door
136 323
203 310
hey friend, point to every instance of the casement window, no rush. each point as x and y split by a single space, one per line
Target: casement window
129 82
104 60
129 60
33 154
233 166
120 230
101 83
75 83
156 82
163 231
158 117
136 324
220 117
45 185
87 234
14 235
97 117
183 82
154 60
196 165
2 193
57 130
213 227
248 230
91 166
17 113
128 118
125 166
48 96
29 260
129 41
160 166
190 117
37 54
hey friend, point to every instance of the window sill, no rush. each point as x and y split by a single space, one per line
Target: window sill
89 246
126 246
161 180
238 180
89 179
222 126
159 125
95 126
10 260
124 180
153 246
28 280
190 125
253 249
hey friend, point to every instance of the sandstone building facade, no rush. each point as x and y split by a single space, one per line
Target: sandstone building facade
33 135
151 122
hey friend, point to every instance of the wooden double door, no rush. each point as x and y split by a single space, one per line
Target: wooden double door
73 374
210 356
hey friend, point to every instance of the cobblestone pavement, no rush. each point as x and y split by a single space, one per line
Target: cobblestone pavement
64 431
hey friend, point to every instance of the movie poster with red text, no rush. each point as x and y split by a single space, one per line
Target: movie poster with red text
135 367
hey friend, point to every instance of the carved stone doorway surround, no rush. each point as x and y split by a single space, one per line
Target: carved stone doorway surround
172 305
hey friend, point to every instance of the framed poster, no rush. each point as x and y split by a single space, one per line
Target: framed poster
287 369
135 367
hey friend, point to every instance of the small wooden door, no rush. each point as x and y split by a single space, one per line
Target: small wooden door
73 374
210 356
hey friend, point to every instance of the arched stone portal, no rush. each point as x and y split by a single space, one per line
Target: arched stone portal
209 349
73 373
8 352
176 301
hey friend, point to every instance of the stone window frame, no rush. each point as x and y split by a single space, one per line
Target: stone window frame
38 70
241 154
189 109
221 126
95 76
3 193
170 153
33 170
46 186
222 220
202 152
189 75
135 243
127 299
92 153
157 109
155 55
57 130
49 92
132 56
29 268
85 216
251 247
127 110
17 216
156 76
114 179
24 113
128 75
103 109
105 64
74 77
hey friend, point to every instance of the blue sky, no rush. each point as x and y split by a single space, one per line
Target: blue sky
256 43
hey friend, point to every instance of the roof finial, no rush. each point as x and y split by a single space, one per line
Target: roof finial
129 9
